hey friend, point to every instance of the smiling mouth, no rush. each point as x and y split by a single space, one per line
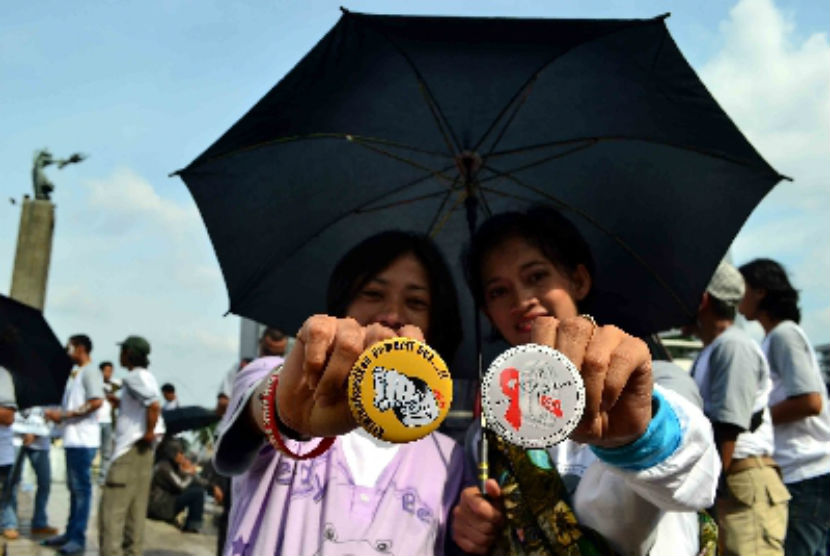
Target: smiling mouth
525 324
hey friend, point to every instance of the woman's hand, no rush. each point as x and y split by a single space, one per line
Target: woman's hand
478 521
312 391
616 370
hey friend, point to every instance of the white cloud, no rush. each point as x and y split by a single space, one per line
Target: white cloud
777 90
775 85
126 199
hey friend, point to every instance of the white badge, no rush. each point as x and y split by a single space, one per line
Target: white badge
532 396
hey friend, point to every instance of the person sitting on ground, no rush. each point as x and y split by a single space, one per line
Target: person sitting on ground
176 486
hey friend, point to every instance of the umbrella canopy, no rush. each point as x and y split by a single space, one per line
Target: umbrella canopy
38 362
187 418
420 123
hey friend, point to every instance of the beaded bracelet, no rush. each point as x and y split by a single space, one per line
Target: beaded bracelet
271 421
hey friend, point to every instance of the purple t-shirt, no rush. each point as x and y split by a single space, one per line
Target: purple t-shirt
314 507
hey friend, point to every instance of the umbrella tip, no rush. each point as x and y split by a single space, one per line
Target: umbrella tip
664 16
344 10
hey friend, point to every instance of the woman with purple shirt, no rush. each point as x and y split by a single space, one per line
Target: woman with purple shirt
363 495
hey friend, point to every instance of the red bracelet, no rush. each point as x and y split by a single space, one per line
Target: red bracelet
269 418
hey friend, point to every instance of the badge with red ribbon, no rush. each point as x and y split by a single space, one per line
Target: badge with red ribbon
532 396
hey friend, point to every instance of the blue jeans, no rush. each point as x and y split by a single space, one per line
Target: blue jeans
809 524
43 471
6 491
79 483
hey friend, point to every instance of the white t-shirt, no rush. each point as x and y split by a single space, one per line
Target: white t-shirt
84 384
802 448
367 456
139 390
7 399
105 411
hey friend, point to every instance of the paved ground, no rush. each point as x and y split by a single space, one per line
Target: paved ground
161 539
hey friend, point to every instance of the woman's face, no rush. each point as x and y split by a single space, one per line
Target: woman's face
521 284
397 295
750 302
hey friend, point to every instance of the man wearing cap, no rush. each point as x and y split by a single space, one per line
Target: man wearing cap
734 380
81 438
126 491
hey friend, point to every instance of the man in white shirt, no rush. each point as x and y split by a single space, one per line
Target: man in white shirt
81 438
123 508
171 401
105 413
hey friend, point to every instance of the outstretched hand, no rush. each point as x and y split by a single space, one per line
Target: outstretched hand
312 392
616 370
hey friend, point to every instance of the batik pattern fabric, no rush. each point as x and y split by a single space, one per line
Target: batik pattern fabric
539 516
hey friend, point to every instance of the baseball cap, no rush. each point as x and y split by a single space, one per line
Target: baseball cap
727 284
136 344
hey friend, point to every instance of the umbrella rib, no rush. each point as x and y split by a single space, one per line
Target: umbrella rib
450 138
435 173
257 276
535 75
350 137
610 138
403 202
488 211
618 240
517 102
434 222
527 200
587 144
462 196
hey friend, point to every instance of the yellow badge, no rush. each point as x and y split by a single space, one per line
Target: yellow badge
400 390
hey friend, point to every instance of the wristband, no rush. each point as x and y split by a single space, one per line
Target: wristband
272 424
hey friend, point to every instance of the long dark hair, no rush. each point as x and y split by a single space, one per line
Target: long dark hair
374 254
781 298
542 227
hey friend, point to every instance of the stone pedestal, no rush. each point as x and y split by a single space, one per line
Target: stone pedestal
34 249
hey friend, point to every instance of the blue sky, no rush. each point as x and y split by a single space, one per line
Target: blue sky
143 88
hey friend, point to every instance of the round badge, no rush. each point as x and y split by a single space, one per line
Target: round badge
400 390
532 396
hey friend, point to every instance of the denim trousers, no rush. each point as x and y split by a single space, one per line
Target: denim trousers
39 459
79 483
809 525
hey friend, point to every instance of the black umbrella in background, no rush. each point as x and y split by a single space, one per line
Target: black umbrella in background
37 360
187 418
433 123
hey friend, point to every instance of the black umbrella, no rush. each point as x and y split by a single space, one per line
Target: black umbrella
38 362
187 418
432 123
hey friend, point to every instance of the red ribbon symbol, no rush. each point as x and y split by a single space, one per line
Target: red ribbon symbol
551 404
513 415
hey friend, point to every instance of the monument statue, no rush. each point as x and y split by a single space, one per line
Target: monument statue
43 158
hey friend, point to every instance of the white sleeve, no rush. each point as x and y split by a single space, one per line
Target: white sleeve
688 478
626 506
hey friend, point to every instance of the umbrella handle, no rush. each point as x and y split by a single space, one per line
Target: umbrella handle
483 465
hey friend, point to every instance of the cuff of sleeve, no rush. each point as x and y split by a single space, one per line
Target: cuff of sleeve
661 439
